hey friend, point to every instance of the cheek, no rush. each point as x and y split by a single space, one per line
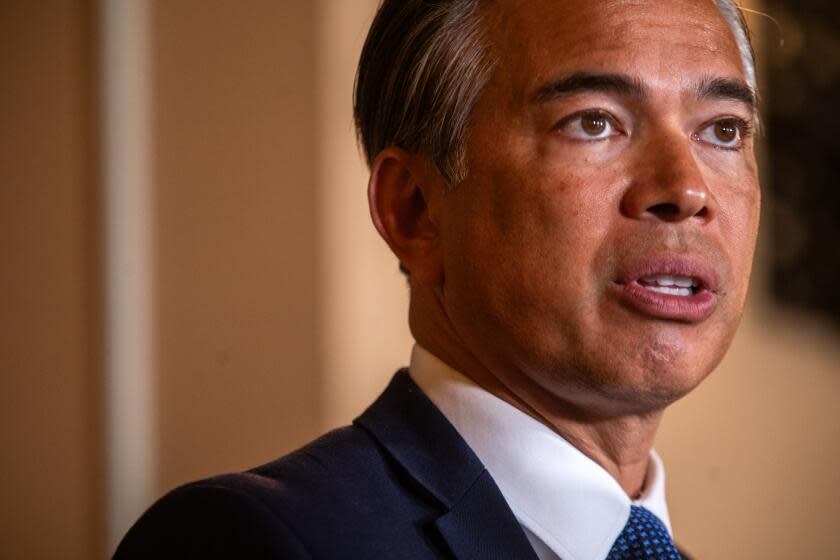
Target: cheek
524 235
497 239
532 265
573 210
739 216
737 193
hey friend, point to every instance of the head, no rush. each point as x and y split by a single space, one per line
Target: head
571 185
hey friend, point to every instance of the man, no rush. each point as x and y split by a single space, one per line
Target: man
571 188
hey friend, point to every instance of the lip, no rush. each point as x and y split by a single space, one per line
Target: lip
690 309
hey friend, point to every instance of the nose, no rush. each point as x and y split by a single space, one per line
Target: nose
668 185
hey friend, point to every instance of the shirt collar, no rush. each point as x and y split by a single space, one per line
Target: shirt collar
559 494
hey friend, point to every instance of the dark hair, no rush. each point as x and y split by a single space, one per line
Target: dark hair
423 65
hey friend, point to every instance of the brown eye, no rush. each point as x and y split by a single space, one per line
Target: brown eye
589 126
726 132
593 124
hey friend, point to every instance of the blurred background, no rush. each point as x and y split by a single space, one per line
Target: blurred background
189 283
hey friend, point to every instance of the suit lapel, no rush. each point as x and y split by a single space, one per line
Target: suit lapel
483 512
477 522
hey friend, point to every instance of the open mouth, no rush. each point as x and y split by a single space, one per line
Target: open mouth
671 288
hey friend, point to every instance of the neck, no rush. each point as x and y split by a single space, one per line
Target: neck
621 446
620 442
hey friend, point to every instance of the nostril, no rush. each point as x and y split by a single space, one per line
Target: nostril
670 212
665 210
666 203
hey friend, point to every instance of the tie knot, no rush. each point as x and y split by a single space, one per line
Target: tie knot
644 537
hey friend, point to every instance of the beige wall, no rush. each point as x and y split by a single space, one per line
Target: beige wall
752 454
278 312
49 406
237 230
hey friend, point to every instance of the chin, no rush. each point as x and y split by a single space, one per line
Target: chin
648 375
665 375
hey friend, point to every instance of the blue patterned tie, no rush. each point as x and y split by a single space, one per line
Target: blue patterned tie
643 538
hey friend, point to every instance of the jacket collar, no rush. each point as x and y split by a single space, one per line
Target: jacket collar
478 522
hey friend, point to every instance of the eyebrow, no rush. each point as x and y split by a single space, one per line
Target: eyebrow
727 89
627 86
586 82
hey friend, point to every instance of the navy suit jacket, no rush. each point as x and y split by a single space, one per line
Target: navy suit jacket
400 483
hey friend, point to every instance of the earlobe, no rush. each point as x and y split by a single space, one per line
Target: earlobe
399 198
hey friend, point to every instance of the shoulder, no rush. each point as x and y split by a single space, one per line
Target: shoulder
340 484
210 518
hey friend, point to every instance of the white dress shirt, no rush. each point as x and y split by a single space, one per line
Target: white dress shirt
567 504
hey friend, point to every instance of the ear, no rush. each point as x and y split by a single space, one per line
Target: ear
402 190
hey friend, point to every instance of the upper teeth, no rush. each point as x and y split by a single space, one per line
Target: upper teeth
665 280
671 285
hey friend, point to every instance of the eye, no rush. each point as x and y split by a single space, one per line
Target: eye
726 133
588 125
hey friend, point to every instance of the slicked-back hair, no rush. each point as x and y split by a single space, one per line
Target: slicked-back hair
423 66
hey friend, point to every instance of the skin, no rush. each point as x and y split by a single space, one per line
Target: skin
515 272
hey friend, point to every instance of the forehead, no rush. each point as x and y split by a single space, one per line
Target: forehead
670 40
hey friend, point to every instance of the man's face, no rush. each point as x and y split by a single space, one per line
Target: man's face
600 247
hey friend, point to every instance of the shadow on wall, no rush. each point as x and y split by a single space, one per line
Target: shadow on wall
803 87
